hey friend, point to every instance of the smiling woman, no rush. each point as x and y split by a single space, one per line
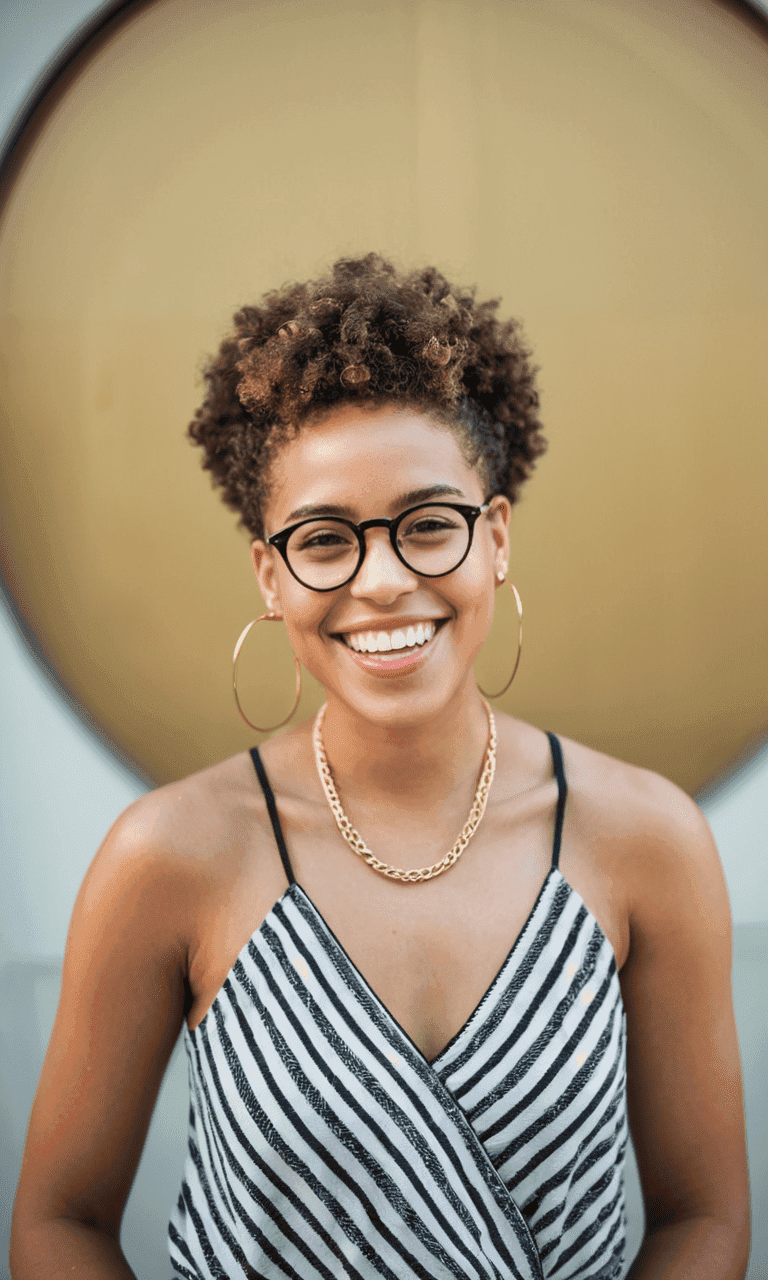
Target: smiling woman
395 1071
429 566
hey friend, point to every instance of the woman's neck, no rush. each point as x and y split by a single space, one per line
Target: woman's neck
420 763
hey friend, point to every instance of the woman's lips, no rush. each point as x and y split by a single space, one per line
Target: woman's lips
383 664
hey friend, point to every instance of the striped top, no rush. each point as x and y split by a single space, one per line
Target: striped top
323 1144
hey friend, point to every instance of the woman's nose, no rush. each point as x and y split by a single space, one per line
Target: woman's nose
382 575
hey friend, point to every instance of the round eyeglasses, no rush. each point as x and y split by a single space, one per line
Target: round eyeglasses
325 552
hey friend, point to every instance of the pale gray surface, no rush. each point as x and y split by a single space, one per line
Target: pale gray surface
30 33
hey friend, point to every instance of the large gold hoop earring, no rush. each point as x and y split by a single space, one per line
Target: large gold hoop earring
265 617
519 604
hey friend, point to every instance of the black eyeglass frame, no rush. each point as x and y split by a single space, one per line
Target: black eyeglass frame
470 514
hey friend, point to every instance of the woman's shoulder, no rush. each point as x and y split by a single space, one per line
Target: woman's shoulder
615 807
194 826
643 826
629 799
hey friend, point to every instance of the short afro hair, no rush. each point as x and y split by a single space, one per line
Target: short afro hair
369 334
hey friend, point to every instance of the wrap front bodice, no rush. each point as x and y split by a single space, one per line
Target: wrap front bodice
322 1143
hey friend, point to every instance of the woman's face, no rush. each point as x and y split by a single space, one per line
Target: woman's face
367 464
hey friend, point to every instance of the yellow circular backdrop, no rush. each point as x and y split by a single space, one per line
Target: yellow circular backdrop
600 165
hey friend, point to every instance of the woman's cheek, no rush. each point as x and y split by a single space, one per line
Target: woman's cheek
479 620
307 639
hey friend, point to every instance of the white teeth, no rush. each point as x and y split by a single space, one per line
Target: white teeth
385 641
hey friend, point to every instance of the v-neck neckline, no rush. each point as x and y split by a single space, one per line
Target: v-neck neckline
432 1062
554 870
464 1029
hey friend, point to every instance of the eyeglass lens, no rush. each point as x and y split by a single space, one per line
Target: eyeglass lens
323 553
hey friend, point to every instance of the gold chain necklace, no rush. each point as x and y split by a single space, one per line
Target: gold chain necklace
355 840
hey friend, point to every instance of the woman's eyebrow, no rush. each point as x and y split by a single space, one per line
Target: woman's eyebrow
408 499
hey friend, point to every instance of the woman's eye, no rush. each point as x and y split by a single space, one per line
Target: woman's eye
327 539
322 539
428 526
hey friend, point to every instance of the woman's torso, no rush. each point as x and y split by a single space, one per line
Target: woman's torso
475 1037
429 950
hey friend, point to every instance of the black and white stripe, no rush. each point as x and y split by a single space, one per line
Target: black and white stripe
323 1144
540 1072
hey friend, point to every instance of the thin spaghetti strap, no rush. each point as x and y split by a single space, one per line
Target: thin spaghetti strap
562 792
272 810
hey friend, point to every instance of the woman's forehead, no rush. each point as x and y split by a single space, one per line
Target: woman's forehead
351 456
395 501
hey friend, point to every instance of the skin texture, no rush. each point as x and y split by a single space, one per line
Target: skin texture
189 871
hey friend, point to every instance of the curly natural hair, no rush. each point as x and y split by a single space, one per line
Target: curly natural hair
371 334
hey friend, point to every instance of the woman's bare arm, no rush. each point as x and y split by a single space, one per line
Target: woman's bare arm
119 1015
684 1076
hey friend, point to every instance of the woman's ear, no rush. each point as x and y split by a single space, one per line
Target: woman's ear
498 518
263 558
